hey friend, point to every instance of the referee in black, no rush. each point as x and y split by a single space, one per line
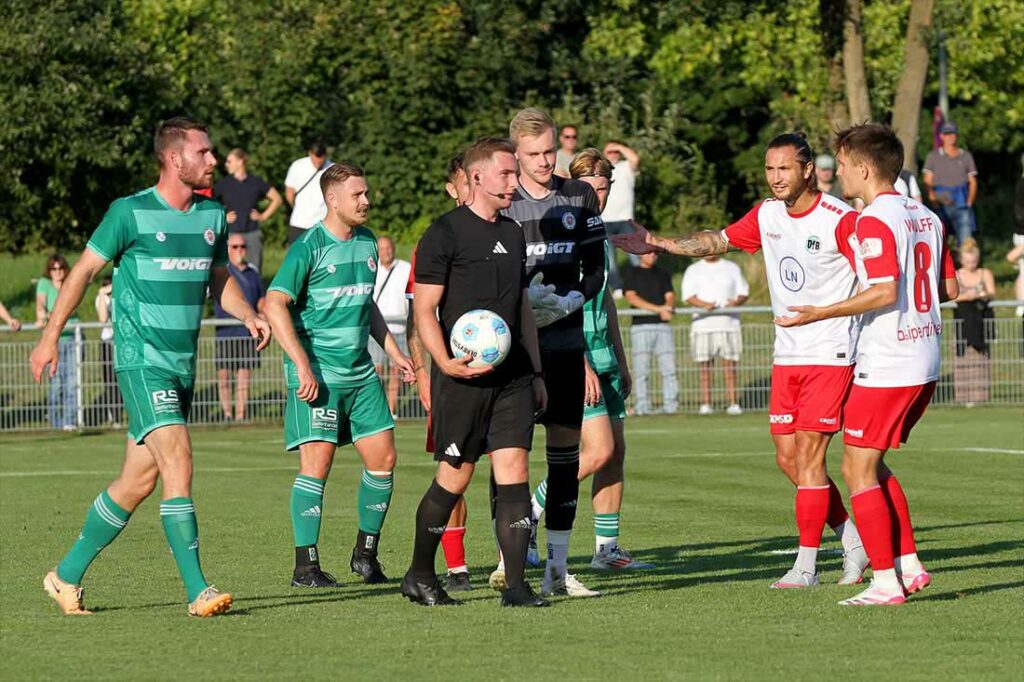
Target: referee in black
473 257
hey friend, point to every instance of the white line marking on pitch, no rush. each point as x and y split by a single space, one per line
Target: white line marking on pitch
998 451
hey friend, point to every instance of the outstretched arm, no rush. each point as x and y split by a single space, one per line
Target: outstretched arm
694 245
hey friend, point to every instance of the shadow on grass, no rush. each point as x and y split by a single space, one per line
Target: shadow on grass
970 592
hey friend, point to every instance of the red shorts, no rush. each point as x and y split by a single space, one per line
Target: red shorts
881 418
430 434
808 397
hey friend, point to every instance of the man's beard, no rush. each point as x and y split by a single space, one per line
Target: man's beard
195 177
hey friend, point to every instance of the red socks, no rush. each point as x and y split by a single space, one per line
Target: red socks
836 509
454 548
812 508
902 531
871 510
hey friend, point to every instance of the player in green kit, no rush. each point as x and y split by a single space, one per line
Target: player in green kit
608 385
167 245
321 308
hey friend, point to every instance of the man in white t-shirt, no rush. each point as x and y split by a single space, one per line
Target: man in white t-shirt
907 272
619 209
302 190
807 239
709 284
389 294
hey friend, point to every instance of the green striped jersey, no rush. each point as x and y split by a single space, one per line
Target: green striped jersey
330 282
598 340
162 260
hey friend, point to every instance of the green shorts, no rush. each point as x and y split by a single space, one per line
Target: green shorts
613 403
338 415
154 398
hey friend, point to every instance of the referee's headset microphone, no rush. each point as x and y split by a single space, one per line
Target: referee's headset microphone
504 196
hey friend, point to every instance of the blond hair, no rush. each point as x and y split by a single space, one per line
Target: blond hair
970 245
530 122
589 163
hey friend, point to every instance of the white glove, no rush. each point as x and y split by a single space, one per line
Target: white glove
541 295
560 307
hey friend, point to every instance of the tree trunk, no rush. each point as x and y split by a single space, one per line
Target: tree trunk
853 64
906 110
832 14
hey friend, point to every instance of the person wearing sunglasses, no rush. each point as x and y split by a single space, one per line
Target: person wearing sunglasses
568 138
63 391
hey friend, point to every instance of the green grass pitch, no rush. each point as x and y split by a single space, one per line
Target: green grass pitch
704 501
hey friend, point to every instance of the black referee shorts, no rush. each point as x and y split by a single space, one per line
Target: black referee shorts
470 421
565 379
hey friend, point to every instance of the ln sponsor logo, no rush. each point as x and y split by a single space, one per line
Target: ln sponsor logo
780 419
183 263
543 249
209 236
323 418
352 290
499 248
791 273
452 451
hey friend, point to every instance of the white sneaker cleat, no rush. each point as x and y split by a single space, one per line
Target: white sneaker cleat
705 409
497 580
796 579
875 596
617 559
569 586
734 410
855 562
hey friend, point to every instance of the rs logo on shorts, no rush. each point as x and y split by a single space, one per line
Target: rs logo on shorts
165 401
323 418
780 419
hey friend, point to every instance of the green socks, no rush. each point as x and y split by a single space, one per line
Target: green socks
540 499
102 524
606 531
307 501
182 531
374 500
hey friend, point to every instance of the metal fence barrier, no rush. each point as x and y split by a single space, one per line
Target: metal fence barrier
84 393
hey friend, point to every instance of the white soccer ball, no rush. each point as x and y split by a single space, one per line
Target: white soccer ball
482 335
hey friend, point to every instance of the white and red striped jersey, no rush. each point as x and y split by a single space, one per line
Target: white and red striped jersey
810 260
901 240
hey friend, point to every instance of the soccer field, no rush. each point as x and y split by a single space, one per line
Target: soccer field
704 502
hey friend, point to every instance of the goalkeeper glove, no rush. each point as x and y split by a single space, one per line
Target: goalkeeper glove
558 307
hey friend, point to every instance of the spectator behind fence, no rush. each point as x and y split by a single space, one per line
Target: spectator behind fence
389 294
241 193
973 329
302 190
952 182
236 348
109 403
619 210
567 140
649 287
8 319
716 283
1016 255
825 174
63 393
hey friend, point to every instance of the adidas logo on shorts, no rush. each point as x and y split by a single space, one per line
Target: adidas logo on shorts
381 507
436 530
522 524
569 504
312 511
452 451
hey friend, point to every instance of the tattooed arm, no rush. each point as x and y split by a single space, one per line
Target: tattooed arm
695 245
